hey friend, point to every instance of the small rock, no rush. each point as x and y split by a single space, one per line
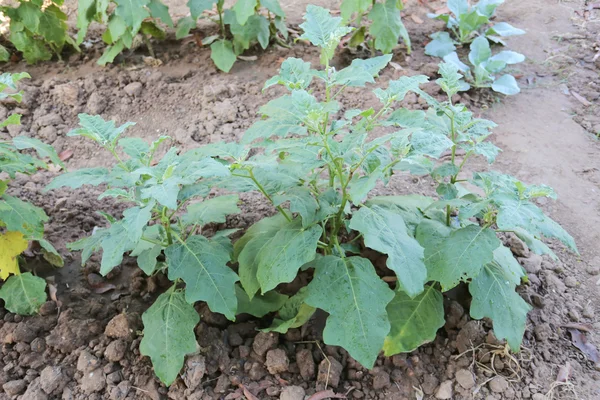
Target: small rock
265 341
223 384
306 364
335 372
49 119
277 361
25 332
555 284
444 391
96 104
48 308
381 380
226 111
67 93
122 326
430 383
195 368
34 391
87 362
121 391
574 315
542 332
48 134
570 282
116 350
53 380
532 264
93 381
14 388
472 334
292 393
465 378
538 396
257 371
38 345
517 246
593 270
134 89
498 384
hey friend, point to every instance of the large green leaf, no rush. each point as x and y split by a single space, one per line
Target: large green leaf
301 202
159 10
259 305
294 73
133 12
274 7
197 7
247 248
212 210
457 256
279 260
44 150
23 294
17 215
361 72
293 314
414 321
244 9
356 299
116 242
202 264
169 334
80 177
350 7
99 130
221 52
135 220
323 30
494 297
386 232
386 26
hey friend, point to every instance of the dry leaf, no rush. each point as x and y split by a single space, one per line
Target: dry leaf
579 326
564 373
248 58
580 341
249 396
65 154
326 394
104 288
581 99
416 19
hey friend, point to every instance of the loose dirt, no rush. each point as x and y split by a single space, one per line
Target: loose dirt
85 344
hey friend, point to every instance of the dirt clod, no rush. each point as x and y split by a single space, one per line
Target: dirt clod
498 384
93 381
53 380
265 341
115 351
14 388
465 378
292 393
277 361
335 372
195 368
306 364
123 326
445 390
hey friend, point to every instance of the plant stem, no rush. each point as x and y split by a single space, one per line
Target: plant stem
220 11
264 192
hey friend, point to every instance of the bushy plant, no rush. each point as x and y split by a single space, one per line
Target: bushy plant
385 24
38 29
20 221
127 23
486 67
318 170
240 27
467 22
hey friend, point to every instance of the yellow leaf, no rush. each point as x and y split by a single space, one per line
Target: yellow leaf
11 245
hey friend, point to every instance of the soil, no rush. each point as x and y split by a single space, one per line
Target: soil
84 343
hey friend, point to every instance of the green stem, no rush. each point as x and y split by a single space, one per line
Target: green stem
264 192
221 23
448 215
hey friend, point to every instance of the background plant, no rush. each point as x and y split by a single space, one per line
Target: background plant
467 22
385 28
239 27
20 221
323 168
38 29
486 67
128 23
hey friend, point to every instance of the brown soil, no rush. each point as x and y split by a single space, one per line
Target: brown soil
72 351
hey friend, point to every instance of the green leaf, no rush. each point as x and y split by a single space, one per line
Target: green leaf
273 6
184 26
152 29
480 51
222 54
89 244
294 73
50 254
301 202
135 220
256 28
504 29
458 7
430 143
4 54
323 30
111 52
386 26
202 265
116 242
13 119
212 210
23 294
350 7
133 12
159 10
165 193
96 128
135 148
52 26
398 89
386 232
169 334
361 72
44 150
457 256
293 314
413 321
441 45
509 57
356 299
76 179
259 305
506 84
280 258
244 9
450 82
494 297
197 7
20 216
33 49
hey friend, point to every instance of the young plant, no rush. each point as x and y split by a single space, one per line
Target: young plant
486 67
318 169
162 228
243 23
385 28
38 29
21 222
467 22
128 24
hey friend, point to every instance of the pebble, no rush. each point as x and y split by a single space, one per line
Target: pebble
465 378
335 372
532 264
134 89
306 364
444 391
116 350
93 381
498 384
14 388
570 282
277 361
381 380
53 380
292 393
264 342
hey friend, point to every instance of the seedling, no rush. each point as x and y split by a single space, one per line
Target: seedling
21 222
467 22
485 68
